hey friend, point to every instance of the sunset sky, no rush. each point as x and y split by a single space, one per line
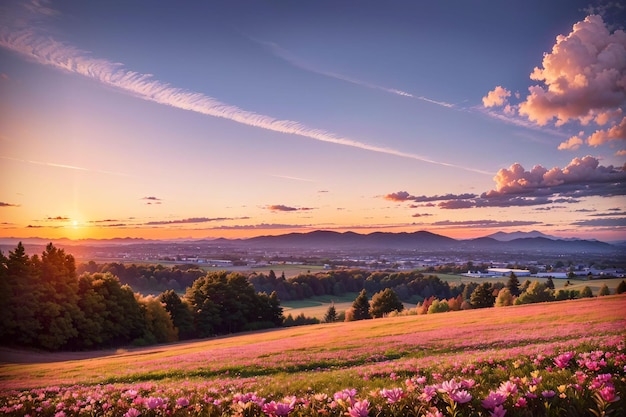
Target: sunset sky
245 118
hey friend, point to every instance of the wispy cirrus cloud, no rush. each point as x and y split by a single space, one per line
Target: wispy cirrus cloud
485 223
64 166
24 37
193 220
292 59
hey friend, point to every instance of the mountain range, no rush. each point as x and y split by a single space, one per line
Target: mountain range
533 241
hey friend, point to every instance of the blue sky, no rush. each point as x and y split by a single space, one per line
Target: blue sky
152 119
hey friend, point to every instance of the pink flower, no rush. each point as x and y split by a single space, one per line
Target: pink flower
392 395
359 409
428 393
521 402
608 394
449 386
461 396
132 412
507 388
493 400
498 411
275 409
548 394
182 402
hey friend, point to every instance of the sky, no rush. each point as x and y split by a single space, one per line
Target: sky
169 120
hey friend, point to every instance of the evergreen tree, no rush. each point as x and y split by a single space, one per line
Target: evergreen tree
385 302
621 288
513 285
550 283
482 297
331 314
182 317
361 306
586 292
604 290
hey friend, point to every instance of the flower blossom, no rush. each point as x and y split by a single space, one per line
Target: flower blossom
461 396
132 412
498 411
392 395
359 409
493 400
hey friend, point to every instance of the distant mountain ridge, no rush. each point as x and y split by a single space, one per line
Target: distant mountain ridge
377 241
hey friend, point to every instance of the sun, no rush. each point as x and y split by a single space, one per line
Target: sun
74 224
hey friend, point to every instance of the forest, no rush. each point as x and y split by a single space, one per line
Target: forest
48 302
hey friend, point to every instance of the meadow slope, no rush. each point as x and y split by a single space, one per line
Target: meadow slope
340 346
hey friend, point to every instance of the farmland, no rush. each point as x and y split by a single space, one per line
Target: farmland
365 360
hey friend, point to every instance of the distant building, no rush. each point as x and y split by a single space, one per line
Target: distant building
505 272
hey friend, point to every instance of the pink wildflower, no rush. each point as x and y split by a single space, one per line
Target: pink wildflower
493 400
449 386
507 388
521 402
428 393
132 412
461 396
359 409
548 394
434 413
392 395
608 394
182 402
498 411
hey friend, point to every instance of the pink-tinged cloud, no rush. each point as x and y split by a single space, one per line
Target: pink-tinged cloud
571 144
192 220
58 219
401 196
515 186
2 204
282 207
582 76
497 97
486 223
421 215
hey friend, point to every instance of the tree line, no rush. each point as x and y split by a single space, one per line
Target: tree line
45 304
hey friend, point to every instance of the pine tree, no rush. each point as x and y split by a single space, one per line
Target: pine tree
331 314
621 287
361 306
482 297
513 285
604 290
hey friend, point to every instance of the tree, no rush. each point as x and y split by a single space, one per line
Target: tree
621 287
513 285
604 290
331 314
586 292
482 297
181 314
361 306
385 302
504 298
537 292
438 306
550 283
159 327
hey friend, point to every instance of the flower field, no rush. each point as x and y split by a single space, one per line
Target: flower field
557 359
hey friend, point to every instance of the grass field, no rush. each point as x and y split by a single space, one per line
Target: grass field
413 354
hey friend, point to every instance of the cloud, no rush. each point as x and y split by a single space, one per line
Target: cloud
405 196
3 204
485 223
31 41
261 226
496 97
572 144
58 218
152 200
615 222
582 81
64 166
515 186
289 57
281 207
421 215
191 220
